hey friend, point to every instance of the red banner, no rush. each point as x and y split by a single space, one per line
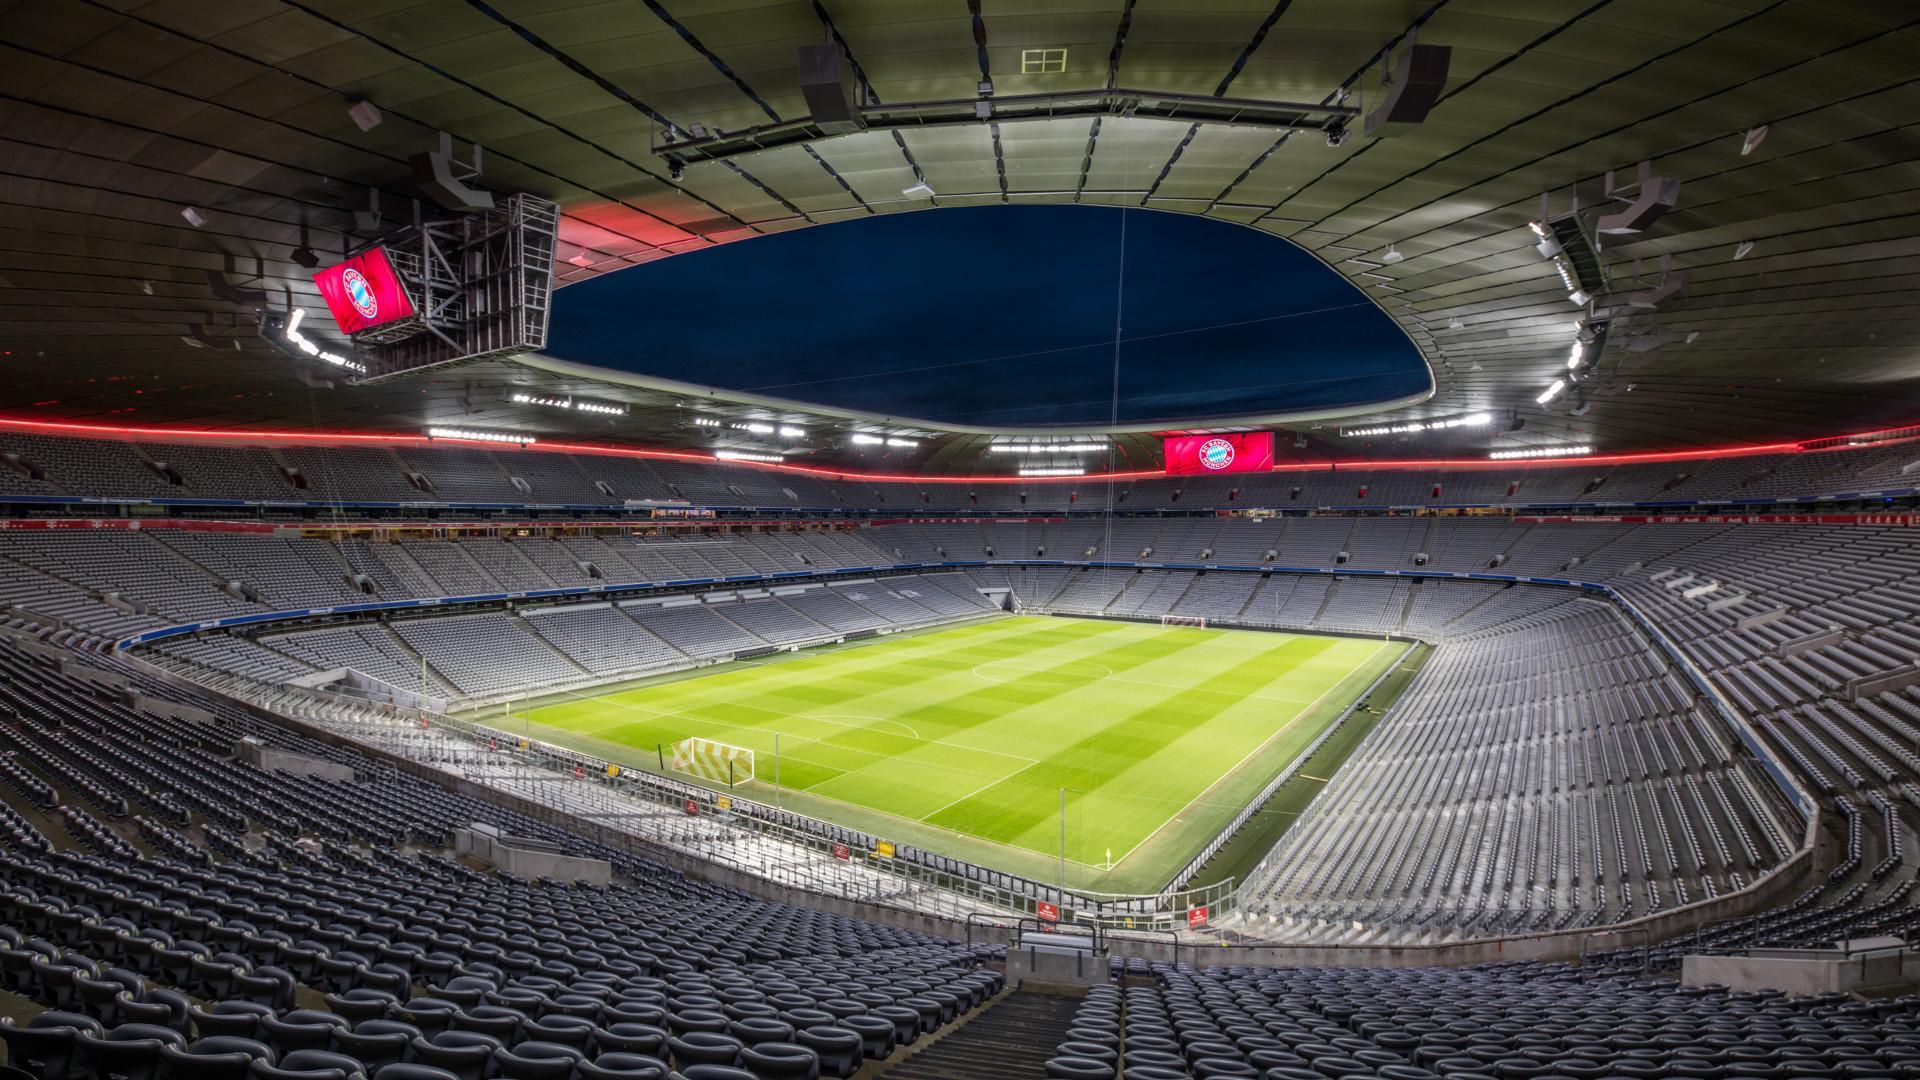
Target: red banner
1196 917
1908 520
842 852
183 524
954 520
1209 455
364 291
1047 912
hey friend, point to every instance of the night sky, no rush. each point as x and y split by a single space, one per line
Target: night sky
1001 315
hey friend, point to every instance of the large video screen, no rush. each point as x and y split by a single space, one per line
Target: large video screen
364 291
1207 455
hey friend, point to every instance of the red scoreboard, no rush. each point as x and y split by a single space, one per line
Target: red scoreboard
364 291
1206 455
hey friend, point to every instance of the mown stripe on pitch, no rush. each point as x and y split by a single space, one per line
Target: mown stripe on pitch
826 683
1106 754
827 690
964 712
868 746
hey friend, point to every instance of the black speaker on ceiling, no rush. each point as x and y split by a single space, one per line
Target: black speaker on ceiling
1419 75
826 82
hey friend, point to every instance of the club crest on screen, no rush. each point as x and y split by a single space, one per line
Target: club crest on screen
359 293
1216 454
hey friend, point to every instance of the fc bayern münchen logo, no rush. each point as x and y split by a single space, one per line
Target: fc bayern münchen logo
1216 454
360 294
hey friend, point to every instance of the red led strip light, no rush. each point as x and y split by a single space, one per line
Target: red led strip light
323 438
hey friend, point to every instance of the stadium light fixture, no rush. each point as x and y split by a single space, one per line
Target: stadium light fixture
753 428
1479 419
705 421
861 438
745 455
1047 448
1559 387
309 347
195 216
1566 274
918 189
788 431
1054 471
474 435
1393 254
1541 452
574 404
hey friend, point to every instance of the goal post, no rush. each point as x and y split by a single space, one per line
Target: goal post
718 762
1184 620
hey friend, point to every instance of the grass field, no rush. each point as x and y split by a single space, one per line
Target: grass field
961 740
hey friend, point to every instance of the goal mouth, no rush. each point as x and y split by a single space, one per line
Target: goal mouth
712 761
1196 621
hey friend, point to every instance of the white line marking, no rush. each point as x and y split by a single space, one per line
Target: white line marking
981 788
1263 745
833 718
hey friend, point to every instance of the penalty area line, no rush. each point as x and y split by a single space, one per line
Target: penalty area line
991 783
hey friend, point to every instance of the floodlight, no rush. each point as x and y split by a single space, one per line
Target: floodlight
476 435
1542 452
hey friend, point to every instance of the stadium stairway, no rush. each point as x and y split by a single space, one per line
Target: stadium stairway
1011 1039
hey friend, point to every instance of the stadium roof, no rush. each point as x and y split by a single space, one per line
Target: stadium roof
118 310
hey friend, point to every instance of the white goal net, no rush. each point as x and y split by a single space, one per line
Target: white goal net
1183 620
718 762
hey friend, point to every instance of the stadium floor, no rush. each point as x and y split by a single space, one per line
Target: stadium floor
960 740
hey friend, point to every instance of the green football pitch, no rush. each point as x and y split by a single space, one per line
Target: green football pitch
963 740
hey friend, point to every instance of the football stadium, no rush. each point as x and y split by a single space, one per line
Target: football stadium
951 539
